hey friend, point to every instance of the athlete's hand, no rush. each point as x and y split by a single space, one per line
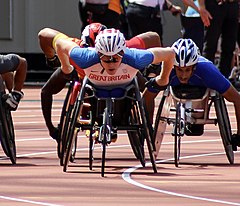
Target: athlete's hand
153 86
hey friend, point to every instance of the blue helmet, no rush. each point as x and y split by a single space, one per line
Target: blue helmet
186 52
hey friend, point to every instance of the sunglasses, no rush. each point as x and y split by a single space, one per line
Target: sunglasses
111 59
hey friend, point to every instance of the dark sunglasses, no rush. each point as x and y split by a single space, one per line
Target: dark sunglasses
111 59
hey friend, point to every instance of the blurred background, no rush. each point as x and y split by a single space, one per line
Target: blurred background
21 20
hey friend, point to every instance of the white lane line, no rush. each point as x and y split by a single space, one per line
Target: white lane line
127 177
27 201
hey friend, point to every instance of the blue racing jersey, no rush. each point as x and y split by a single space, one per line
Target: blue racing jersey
205 75
132 61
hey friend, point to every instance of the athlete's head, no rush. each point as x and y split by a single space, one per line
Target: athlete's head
110 45
90 32
186 58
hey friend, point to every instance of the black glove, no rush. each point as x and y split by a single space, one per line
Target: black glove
53 62
152 86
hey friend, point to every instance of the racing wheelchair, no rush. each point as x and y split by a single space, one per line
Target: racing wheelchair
103 121
187 108
7 134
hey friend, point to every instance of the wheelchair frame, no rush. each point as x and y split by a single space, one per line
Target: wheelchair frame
137 129
183 117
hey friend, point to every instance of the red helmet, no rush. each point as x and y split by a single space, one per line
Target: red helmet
90 32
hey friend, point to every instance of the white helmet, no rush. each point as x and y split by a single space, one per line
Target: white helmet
110 42
186 52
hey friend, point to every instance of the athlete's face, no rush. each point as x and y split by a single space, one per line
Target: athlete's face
184 73
111 63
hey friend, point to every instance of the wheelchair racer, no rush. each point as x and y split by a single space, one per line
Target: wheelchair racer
13 69
192 69
59 78
110 62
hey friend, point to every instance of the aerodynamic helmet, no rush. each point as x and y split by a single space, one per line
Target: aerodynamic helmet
186 52
90 32
110 42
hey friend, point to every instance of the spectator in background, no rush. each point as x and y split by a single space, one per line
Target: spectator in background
220 18
238 35
192 25
234 76
106 12
144 15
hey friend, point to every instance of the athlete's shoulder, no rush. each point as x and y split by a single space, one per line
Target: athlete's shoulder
204 63
84 57
202 59
137 58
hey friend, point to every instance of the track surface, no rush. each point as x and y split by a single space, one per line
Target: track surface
204 176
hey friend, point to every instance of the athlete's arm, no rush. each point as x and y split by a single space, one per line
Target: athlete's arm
165 55
144 41
63 48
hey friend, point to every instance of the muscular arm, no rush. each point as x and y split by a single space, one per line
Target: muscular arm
46 37
63 48
165 55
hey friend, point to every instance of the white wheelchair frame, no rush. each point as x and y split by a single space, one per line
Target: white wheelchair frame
189 110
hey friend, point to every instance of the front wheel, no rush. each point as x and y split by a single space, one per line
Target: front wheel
177 136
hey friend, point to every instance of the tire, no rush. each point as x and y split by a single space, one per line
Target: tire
64 133
161 122
105 131
177 137
147 136
104 144
224 126
72 134
62 124
69 104
136 138
74 150
7 132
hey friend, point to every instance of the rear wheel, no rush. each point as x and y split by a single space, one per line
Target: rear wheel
161 122
224 126
7 132
136 138
64 121
64 133
72 134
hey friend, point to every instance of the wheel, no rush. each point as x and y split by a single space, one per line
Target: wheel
74 150
91 148
224 126
105 136
147 136
7 132
64 133
161 121
72 134
177 136
103 133
66 117
63 124
136 138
